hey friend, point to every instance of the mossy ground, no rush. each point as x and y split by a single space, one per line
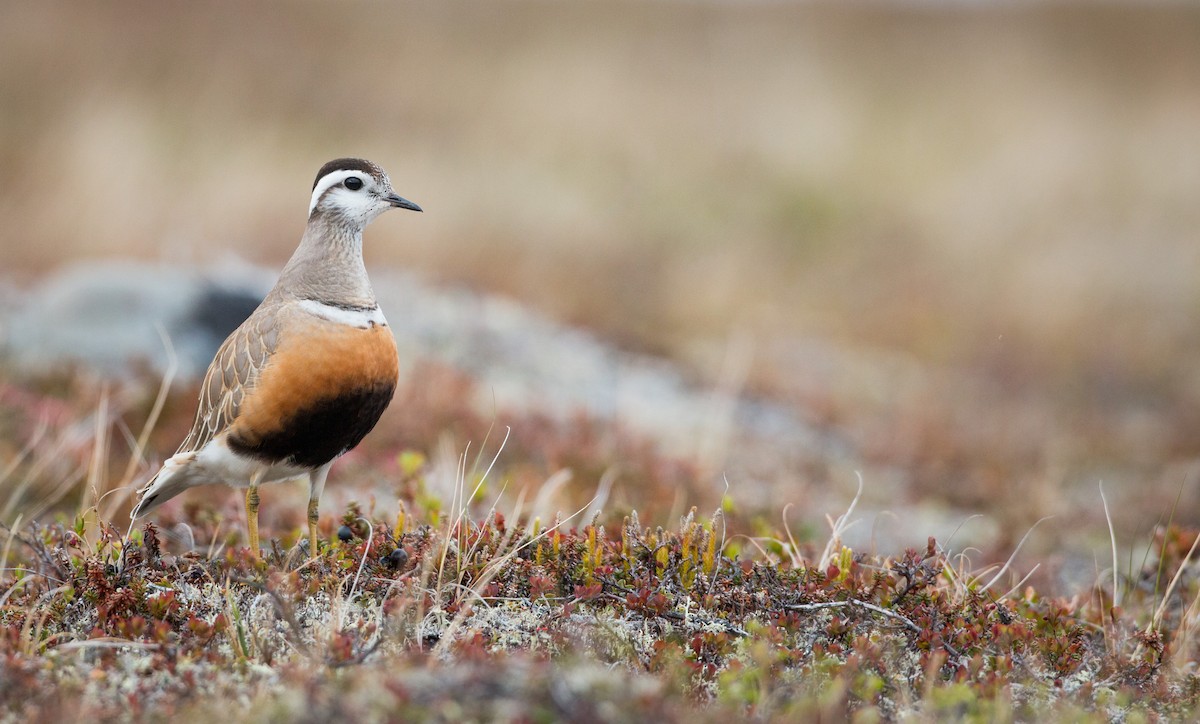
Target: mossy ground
447 607
493 619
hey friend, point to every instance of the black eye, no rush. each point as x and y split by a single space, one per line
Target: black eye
354 183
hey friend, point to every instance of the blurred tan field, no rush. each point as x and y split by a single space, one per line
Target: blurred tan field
965 239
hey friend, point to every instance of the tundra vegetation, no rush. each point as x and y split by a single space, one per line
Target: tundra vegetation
463 598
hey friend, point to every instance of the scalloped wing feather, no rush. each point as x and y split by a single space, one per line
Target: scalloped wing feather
233 372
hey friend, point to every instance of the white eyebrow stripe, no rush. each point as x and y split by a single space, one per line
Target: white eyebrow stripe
327 182
360 318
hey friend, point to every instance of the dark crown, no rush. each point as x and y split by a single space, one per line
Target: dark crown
349 164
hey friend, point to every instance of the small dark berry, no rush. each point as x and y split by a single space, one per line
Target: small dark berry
345 534
396 558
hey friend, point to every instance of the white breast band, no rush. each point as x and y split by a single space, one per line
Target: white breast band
361 318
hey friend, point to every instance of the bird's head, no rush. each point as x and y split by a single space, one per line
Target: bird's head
353 191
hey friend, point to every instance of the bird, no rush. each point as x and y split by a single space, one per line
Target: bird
311 370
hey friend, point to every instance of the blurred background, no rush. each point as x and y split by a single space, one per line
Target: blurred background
951 246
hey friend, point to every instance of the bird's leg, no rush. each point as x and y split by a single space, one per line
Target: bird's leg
316 484
252 511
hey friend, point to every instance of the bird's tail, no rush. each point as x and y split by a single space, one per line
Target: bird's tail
175 477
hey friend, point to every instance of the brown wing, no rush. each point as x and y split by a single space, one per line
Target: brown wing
234 371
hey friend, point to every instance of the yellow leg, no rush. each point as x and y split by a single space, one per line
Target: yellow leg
313 517
316 484
252 515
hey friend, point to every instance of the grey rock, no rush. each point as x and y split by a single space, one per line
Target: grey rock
107 315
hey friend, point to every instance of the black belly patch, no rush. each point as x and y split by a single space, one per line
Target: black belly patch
322 431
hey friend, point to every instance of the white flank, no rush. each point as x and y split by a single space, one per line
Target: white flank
221 465
214 463
360 318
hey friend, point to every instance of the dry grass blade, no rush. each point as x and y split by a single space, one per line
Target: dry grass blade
854 603
99 460
1185 638
1112 536
1013 556
495 565
540 510
14 494
839 526
45 463
107 643
137 454
793 547
1156 621
603 490
363 562
1017 586
12 535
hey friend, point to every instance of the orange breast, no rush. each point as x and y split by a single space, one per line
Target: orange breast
322 391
